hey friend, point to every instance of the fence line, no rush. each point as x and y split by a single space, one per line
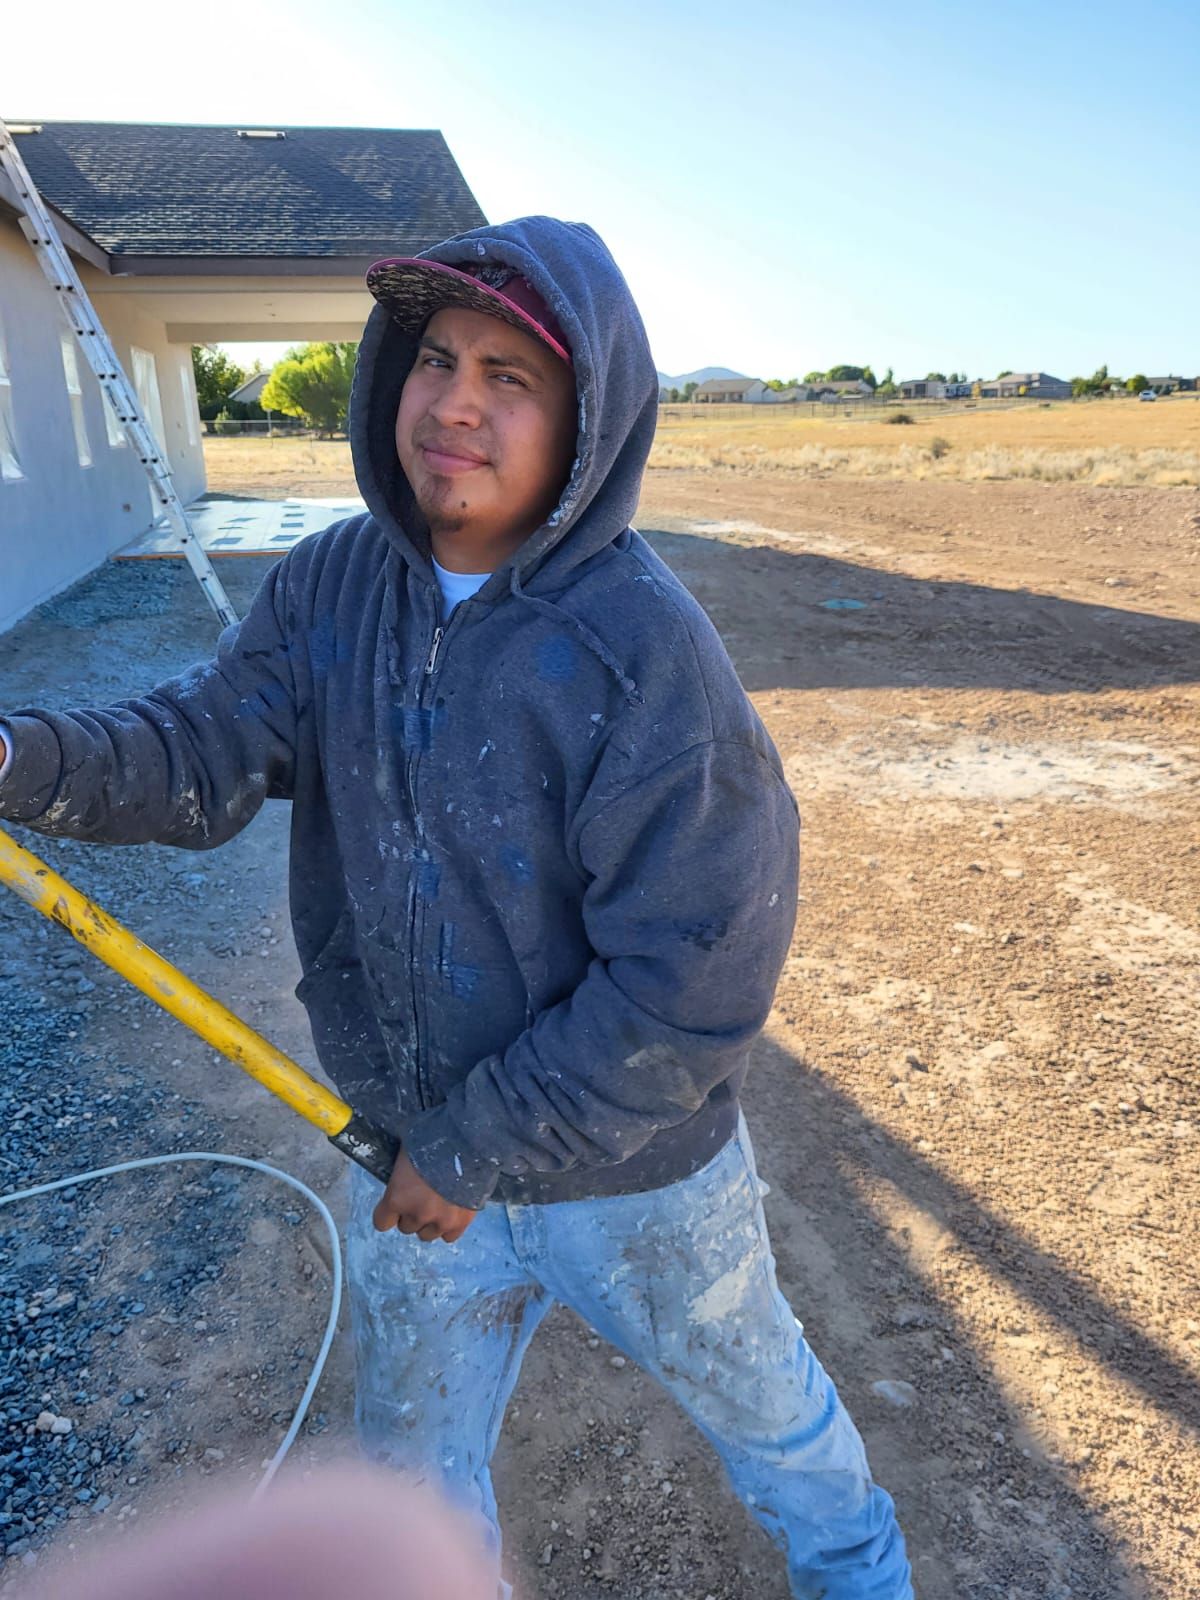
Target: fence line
863 409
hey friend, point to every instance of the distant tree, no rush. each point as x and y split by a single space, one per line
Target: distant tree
673 395
216 378
887 388
869 377
936 377
844 374
690 388
814 377
1007 373
774 383
1137 383
313 381
1098 383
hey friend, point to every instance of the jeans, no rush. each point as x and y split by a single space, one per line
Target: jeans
682 1281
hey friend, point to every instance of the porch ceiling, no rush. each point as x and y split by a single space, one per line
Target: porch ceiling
202 310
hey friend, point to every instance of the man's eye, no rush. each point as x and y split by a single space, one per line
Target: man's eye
434 361
509 378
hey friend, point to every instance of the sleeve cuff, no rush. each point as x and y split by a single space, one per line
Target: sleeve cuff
439 1153
29 785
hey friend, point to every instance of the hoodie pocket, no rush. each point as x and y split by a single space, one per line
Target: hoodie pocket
336 955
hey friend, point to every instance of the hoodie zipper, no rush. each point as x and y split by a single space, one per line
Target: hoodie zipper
415 911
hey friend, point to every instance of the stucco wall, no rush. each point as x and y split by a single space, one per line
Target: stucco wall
61 520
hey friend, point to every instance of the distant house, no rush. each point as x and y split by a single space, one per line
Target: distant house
932 389
923 389
1036 385
727 391
182 235
798 391
1172 384
843 389
250 391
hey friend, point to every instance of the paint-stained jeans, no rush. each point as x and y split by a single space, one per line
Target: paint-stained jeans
680 1279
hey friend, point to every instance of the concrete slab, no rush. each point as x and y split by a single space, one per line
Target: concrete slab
227 527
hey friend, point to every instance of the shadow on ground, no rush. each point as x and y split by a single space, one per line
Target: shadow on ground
911 632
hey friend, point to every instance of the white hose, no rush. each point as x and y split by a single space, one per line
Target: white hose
335 1298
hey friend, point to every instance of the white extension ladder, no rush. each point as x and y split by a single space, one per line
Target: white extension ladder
39 229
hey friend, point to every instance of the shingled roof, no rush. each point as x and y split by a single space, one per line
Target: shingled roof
166 190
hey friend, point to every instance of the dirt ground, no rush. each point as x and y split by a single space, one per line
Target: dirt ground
976 1102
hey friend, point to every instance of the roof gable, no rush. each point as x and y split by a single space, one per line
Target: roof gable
164 189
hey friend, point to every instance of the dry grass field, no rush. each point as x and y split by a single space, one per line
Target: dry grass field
1107 443
1102 442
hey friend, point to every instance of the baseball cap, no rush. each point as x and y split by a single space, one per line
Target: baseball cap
412 289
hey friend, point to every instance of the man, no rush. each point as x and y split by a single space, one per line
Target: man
543 880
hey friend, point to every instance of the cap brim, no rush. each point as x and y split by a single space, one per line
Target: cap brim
412 290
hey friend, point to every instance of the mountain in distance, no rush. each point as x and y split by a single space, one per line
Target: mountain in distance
701 375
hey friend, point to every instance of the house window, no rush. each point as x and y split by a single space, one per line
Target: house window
145 381
10 464
70 362
189 399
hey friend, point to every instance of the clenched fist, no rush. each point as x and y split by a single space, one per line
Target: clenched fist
409 1204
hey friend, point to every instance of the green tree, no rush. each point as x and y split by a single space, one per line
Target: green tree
313 381
774 383
216 378
1137 383
673 395
1007 373
869 377
844 374
936 377
1098 383
690 388
887 388
814 377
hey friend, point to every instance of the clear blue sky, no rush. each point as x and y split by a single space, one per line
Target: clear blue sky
922 185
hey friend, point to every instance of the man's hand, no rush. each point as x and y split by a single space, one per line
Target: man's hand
412 1206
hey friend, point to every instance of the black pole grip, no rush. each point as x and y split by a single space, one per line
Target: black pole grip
369 1146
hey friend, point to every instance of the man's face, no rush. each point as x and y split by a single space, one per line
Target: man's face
486 435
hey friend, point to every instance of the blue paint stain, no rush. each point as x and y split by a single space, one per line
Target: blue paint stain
461 978
429 877
414 726
557 660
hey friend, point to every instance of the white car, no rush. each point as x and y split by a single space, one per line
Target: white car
1147 394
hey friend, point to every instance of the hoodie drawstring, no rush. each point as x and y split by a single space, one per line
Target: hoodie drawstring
633 695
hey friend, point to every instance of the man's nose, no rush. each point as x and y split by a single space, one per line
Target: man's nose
459 401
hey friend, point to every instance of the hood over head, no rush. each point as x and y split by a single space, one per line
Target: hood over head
616 386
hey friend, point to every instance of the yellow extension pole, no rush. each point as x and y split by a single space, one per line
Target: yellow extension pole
42 888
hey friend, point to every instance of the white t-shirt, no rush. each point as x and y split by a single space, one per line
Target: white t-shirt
456 586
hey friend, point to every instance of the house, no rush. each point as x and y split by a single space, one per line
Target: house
1035 385
923 389
728 391
843 389
247 393
800 391
182 235
932 389
1172 384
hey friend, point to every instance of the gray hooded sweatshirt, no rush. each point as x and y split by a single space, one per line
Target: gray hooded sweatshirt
544 860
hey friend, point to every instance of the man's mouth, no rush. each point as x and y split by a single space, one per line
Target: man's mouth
450 461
